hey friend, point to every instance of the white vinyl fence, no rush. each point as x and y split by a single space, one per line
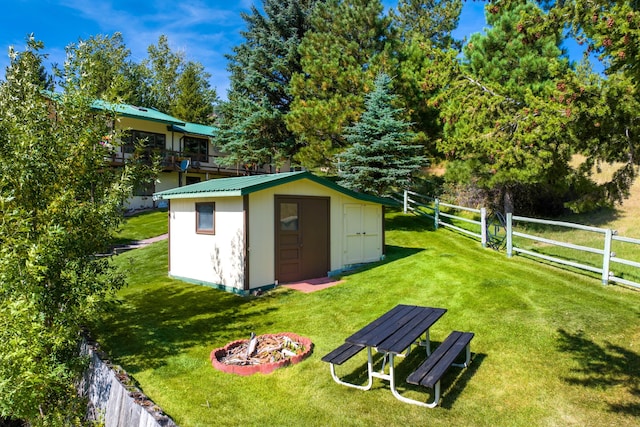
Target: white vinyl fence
491 232
431 208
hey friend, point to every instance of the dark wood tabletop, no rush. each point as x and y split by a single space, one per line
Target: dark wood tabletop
397 329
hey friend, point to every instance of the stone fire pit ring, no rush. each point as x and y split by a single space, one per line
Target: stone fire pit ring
218 355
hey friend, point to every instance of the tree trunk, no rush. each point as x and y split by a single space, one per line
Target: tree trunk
508 200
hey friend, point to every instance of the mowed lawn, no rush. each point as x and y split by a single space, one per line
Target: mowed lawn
552 348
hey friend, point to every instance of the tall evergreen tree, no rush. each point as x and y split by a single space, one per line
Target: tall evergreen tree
379 159
433 20
341 56
252 128
604 121
195 99
504 116
424 33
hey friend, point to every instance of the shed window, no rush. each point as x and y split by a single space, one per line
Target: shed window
205 223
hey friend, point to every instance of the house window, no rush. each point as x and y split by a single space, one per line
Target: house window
205 218
149 140
196 148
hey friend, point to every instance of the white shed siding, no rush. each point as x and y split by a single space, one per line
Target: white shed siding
261 239
218 259
262 233
215 259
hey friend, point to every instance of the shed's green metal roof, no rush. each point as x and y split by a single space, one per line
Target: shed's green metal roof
132 111
195 129
242 185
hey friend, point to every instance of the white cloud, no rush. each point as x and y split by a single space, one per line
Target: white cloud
204 30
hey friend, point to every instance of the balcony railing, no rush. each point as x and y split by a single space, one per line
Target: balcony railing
198 162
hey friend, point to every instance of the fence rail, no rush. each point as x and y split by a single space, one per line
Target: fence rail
432 208
435 207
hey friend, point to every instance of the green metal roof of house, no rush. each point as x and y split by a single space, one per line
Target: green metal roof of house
239 186
132 111
195 129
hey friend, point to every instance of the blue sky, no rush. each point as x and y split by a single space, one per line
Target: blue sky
205 30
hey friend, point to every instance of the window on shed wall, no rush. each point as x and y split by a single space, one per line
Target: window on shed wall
205 218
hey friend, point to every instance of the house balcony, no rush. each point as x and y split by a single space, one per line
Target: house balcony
181 161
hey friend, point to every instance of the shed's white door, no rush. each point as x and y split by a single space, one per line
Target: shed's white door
362 226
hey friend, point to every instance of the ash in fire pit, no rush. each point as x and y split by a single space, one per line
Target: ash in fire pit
263 353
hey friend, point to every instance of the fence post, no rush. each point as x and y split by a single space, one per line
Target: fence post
607 256
509 234
483 226
436 209
405 201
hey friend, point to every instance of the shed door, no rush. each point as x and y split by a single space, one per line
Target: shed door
301 238
362 226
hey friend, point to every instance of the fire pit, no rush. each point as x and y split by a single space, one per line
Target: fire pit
263 353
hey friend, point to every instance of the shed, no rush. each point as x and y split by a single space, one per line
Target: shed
250 233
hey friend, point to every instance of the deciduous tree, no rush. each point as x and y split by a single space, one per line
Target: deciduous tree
59 204
164 68
103 69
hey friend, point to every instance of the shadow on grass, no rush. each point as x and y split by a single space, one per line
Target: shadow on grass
392 253
451 384
604 366
408 223
162 322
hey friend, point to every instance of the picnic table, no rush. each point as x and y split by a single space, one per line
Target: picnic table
390 334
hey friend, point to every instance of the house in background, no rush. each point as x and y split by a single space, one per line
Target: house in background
250 233
186 150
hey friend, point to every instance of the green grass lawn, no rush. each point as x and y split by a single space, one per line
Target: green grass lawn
142 226
552 347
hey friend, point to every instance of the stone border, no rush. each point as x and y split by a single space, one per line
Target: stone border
265 368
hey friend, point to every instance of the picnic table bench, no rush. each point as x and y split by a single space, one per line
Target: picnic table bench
431 370
392 334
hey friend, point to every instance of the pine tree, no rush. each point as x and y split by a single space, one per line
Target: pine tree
252 128
433 20
504 115
379 159
423 35
341 56
195 99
